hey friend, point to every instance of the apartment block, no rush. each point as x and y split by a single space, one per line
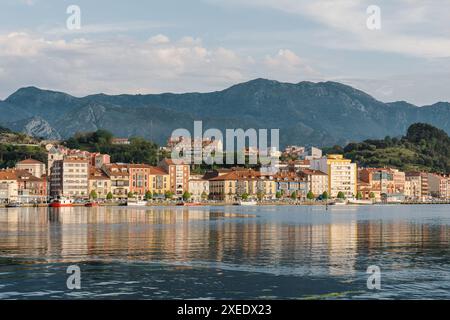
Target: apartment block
342 174
179 176
69 178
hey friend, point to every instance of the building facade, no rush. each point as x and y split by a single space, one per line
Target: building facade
342 174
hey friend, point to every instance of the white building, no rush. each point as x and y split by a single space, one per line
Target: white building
36 168
198 188
342 174
69 178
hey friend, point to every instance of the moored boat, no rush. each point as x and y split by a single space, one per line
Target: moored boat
139 203
189 204
360 202
12 205
91 204
60 203
247 203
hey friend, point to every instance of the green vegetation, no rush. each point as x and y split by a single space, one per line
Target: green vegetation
93 195
186 196
341 195
294 195
148 195
138 151
423 148
372 195
109 196
15 147
310 195
244 196
359 196
130 195
169 195
325 195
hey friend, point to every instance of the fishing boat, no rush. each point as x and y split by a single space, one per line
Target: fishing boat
61 202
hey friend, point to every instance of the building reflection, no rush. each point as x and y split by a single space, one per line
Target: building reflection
188 235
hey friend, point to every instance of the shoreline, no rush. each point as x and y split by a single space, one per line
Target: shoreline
223 204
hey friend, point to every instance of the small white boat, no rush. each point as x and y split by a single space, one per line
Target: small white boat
139 203
339 203
247 203
360 202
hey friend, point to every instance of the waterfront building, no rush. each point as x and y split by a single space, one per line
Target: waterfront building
234 184
178 176
139 175
159 181
198 188
342 174
99 182
417 186
36 168
120 179
438 185
380 180
69 178
30 188
317 181
288 183
8 187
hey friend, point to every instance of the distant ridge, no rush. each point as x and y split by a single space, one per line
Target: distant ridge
323 113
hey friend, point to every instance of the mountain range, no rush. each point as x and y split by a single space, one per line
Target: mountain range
321 114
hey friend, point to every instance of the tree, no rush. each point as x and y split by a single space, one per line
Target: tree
359 195
260 195
186 196
130 195
148 195
244 196
109 196
169 194
372 195
340 195
310 195
93 195
325 195
294 195
278 195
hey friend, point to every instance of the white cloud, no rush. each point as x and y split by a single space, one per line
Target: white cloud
409 27
81 66
159 39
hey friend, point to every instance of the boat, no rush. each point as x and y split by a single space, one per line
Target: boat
247 203
189 204
12 205
60 203
360 202
91 204
139 203
339 203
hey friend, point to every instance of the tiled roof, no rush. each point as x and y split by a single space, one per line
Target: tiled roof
29 161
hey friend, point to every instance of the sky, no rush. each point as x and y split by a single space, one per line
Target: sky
139 46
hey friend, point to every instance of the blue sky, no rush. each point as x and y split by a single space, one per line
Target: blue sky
138 46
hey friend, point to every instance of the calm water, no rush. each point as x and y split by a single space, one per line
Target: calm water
226 252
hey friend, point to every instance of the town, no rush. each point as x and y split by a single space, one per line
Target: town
307 177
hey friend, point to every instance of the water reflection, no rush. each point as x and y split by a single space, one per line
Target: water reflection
287 241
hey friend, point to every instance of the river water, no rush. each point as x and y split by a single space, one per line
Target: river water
267 252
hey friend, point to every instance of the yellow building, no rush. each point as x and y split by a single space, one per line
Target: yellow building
159 181
342 174
232 185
